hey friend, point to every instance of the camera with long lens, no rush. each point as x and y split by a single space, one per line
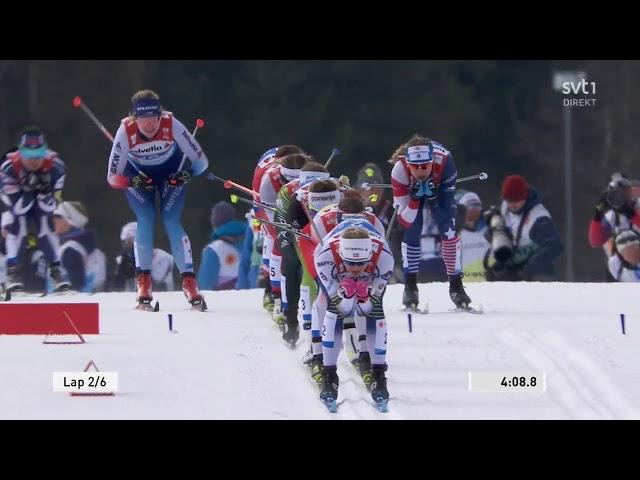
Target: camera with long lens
615 193
499 235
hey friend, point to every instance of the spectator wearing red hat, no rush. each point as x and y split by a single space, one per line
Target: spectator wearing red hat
535 240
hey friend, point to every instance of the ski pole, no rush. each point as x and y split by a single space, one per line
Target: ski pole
199 124
334 152
479 176
283 226
391 222
78 103
235 199
230 184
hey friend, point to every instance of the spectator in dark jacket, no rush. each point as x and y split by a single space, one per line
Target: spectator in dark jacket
534 237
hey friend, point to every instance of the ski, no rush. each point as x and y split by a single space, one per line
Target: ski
199 305
147 307
468 309
417 310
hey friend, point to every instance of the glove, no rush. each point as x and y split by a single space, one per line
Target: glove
348 287
179 178
37 182
417 190
362 290
431 192
142 182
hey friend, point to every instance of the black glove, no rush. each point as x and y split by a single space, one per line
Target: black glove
37 182
142 182
179 178
602 206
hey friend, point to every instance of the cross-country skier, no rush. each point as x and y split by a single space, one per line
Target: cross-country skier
31 179
146 159
353 268
424 177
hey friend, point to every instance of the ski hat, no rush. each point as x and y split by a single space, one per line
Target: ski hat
420 154
470 200
74 213
146 107
221 213
32 143
128 231
627 238
369 173
358 250
515 188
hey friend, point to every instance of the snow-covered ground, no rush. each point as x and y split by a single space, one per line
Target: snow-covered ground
230 363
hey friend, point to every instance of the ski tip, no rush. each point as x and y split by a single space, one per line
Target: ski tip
331 404
382 404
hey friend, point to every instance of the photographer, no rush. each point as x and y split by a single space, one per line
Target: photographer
524 240
618 208
624 264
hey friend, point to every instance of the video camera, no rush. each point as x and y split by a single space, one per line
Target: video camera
498 235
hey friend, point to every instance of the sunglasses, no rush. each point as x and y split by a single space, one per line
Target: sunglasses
420 166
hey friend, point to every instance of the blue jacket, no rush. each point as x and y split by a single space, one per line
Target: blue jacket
209 278
248 275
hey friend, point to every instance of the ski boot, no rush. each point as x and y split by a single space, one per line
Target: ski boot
59 282
291 332
277 314
410 297
379 384
315 368
457 293
145 297
267 298
330 382
13 282
190 289
364 366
